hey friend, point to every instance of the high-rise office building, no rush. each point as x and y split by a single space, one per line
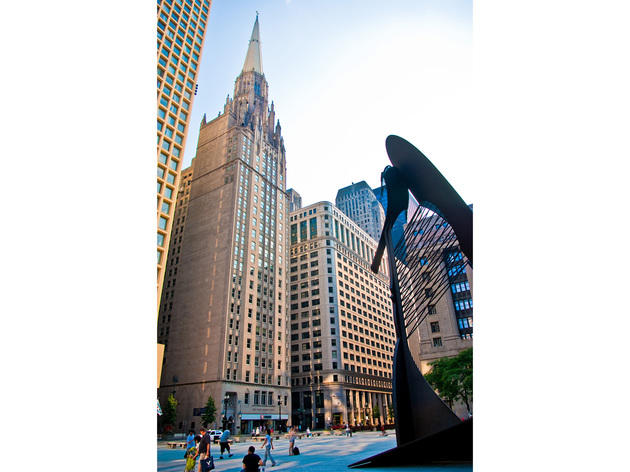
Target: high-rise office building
181 27
447 328
360 204
295 200
342 331
227 335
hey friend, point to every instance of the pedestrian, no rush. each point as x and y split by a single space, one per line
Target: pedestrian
257 431
308 432
191 454
190 439
251 462
223 442
268 445
291 440
203 451
347 430
383 430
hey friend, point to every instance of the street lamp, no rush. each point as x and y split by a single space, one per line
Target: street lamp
225 402
279 411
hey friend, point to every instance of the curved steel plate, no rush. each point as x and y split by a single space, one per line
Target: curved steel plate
427 184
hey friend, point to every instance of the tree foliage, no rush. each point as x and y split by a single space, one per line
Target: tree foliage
376 412
169 412
209 414
452 378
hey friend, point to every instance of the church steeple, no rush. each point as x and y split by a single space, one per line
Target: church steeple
253 60
251 88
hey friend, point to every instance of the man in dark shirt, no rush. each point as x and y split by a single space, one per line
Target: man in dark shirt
204 447
251 461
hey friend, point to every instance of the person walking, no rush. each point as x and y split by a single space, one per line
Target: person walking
268 445
203 451
190 439
223 442
348 430
251 462
291 440
191 454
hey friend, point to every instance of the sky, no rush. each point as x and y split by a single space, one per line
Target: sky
343 75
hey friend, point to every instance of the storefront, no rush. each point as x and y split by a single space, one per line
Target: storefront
249 422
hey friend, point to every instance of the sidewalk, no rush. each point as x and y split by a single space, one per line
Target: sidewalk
318 454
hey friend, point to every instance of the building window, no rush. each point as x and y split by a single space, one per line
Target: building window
437 342
162 223
435 327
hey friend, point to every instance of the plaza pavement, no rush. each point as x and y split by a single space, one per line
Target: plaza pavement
317 454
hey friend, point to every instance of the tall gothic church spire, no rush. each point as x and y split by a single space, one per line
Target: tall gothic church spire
253 60
250 89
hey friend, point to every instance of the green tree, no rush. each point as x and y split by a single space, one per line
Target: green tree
210 412
376 413
390 411
169 412
451 377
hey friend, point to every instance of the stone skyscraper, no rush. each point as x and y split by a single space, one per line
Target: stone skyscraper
360 204
342 331
295 200
227 335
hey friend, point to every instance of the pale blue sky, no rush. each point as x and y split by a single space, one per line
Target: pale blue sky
345 74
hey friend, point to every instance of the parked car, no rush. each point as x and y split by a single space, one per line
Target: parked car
215 434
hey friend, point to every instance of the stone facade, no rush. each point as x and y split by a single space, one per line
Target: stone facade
358 202
295 200
342 332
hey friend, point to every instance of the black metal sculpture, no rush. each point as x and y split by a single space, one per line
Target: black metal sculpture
426 428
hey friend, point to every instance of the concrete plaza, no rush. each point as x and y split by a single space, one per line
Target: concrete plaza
317 454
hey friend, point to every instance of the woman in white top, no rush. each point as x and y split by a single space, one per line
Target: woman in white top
291 440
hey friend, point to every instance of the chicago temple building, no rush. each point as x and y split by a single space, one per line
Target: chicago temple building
223 310
268 307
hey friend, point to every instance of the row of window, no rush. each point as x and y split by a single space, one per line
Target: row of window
263 398
264 379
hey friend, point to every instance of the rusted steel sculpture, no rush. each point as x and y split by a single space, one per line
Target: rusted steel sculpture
439 234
